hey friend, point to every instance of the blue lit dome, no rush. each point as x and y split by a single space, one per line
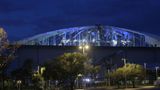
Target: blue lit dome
93 35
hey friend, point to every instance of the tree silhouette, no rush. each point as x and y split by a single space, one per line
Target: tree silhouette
66 68
131 71
7 53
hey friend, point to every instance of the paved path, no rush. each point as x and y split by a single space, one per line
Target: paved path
141 88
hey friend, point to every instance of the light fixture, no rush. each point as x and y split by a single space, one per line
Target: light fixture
86 46
80 47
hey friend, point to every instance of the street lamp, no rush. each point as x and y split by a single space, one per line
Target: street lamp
156 71
124 61
83 48
145 67
19 82
77 80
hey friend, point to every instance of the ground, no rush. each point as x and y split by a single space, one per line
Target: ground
141 88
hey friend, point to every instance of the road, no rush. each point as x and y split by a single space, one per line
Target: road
127 89
141 88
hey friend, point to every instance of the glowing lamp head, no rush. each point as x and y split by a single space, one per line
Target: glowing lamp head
80 47
86 47
87 80
157 67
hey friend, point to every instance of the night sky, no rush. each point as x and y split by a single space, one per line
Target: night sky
25 18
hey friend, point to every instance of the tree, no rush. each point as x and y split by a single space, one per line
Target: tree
7 53
66 68
134 71
4 45
93 70
131 71
116 76
38 79
25 72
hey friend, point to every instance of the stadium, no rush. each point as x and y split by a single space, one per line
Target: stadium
97 35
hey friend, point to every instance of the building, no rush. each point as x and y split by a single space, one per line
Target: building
97 35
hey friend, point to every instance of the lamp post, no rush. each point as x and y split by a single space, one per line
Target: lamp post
19 82
37 51
124 61
145 67
109 81
78 76
156 71
83 48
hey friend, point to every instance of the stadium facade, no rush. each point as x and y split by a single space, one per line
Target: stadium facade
97 35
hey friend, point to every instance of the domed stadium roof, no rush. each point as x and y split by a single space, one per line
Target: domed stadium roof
93 35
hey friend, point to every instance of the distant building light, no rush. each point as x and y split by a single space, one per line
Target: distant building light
67 40
75 40
87 80
84 40
128 41
93 40
123 42
114 42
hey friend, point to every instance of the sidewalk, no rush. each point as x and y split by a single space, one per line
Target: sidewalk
139 88
113 88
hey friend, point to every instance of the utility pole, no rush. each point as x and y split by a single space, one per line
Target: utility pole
83 48
157 67
124 61
145 67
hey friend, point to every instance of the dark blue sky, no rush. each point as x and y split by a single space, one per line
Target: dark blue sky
24 18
